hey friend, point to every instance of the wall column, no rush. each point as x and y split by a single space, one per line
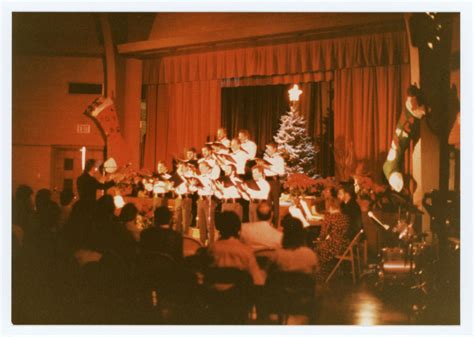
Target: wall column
131 115
426 151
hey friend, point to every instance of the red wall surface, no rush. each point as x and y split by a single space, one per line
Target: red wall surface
45 114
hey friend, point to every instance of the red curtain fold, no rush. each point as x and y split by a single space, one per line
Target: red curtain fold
319 76
290 58
180 115
367 104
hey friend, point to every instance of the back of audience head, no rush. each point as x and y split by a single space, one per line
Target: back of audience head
104 207
22 205
66 197
264 211
162 216
294 235
23 195
228 224
49 216
52 214
42 199
128 213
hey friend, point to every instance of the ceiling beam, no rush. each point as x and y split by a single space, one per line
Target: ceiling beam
194 42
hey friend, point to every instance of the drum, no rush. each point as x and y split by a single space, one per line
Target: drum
400 264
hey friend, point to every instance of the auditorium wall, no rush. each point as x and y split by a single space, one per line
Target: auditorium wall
44 114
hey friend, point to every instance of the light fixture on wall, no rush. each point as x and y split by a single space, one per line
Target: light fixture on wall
83 151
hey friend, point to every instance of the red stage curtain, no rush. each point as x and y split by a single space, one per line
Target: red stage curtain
367 104
184 91
282 59
180 115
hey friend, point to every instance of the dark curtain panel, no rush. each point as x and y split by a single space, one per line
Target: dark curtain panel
255 108
316 106
259 108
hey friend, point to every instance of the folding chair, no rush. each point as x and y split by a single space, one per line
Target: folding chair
349 255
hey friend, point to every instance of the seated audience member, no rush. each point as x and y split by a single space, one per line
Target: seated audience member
47 212
328 193
42 199
351 208
78 227
294 256
127 234
43 243
104 224
162 238
334 236
23 209
229 251
42 203
261 234
128 218
66 200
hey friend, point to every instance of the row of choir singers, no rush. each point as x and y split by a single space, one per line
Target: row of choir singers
229 172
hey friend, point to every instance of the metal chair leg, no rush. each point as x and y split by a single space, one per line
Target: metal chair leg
352 266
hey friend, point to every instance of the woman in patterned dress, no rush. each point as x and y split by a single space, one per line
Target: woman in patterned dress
334 236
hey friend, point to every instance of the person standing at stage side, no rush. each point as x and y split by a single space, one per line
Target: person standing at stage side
274 170
205 204
222 137
350 207
87 184
334 236
258 190
249 147
240 157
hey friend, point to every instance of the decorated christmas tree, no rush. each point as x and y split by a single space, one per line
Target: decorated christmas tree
293 141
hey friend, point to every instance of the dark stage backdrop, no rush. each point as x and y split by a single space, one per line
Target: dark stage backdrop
259 108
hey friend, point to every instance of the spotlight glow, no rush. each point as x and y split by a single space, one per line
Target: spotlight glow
118 201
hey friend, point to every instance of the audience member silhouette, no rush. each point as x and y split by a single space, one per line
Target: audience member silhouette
294 256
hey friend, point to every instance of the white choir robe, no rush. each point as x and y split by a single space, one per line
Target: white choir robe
240 158
251 149
215 169
182 189
277 167
261 194
230 192
225 142
207 189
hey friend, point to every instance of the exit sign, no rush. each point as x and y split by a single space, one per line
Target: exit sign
83 128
